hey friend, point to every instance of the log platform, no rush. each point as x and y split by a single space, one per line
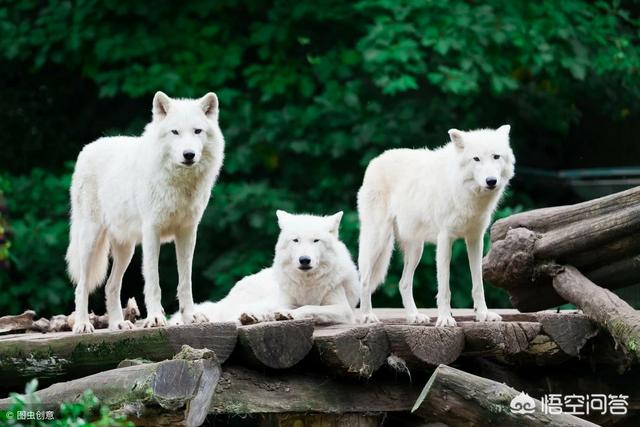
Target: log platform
290 367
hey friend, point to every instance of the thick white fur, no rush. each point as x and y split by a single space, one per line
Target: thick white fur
327 292
131 190
418 196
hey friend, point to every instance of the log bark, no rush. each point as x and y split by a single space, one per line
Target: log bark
461 399
17 323
246 391
424 347
349 350
320 420
600 237
63 355
178 390
275 345
602 306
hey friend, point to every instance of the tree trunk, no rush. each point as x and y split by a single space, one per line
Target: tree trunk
460 399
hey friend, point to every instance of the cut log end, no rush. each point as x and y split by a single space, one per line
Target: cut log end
275 345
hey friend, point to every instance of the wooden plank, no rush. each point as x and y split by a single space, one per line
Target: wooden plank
65 355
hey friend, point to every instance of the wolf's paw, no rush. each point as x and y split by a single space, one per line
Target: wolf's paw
487 316
283 316
124 325
369 318
445 320
154 321
251 318
84 327
418 318
195 317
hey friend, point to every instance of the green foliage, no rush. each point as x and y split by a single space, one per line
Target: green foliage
309 93
86 412
38 212
5 243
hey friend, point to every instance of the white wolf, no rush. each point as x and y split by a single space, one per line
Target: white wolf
312 276
149 189
420 196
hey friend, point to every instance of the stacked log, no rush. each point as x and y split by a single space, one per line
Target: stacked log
600 237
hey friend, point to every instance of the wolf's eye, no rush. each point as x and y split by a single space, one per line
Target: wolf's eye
197 131
496 156
175 132
477 159
316 240
296 240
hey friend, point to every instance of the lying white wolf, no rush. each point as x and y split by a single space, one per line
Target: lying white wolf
312 276
420 196
148 189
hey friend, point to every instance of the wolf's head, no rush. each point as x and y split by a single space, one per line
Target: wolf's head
186 127
485 158
307 242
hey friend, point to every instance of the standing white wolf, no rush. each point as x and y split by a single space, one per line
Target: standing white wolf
312 276
149 189
437 196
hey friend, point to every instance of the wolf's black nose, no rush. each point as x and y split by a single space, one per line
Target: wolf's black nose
491 181
304 260
189 155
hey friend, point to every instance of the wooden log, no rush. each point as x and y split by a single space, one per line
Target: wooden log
63 355
566 379
570 332
424 347
461 399
349 350
599 236
275 345
602 306
546 219
320 420
17 323
245 391
181 387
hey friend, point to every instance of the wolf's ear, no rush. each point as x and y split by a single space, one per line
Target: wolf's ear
209 104
161 105
334 223
457 137
505 129
282 218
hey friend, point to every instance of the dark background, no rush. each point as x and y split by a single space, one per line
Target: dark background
309 93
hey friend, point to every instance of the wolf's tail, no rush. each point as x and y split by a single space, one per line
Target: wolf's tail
376 238
88 249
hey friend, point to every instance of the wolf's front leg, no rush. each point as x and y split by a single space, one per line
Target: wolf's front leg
185 246
443 261
474 250
152 292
